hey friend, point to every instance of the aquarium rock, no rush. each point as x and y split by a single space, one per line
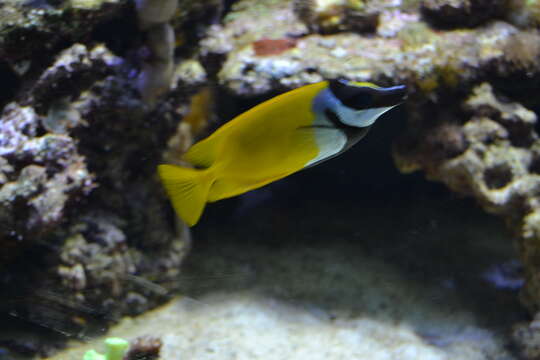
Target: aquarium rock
408 50
493 156
29 27
144 347
458 13
40 174
78 188
326 17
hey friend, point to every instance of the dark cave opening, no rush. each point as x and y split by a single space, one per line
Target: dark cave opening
10 83
125 29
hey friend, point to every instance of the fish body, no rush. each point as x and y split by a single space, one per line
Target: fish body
277 138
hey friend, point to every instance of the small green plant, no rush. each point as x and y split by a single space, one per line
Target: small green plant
115 350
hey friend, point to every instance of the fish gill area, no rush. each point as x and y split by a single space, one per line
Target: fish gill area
384 253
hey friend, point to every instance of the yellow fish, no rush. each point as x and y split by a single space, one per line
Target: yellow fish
279 137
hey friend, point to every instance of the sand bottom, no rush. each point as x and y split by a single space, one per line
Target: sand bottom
439 288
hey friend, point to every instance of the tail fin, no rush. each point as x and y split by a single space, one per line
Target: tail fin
188 190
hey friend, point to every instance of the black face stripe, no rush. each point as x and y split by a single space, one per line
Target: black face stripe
351 96
365 97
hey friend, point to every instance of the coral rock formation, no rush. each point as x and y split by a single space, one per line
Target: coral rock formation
470 70
497 164
455 13
78 182
87 234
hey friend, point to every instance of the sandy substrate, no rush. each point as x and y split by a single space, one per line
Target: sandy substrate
244 326
332 302
351 271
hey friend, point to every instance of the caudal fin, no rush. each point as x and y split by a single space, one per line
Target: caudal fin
188 190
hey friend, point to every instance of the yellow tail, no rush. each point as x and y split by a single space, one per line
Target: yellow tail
188 190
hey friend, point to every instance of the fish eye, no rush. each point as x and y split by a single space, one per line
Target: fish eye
360 98
352 96
361 101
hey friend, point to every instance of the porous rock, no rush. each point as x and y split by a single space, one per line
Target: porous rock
406 50
455 13
41 174
337 16
497 164
27 27
77 164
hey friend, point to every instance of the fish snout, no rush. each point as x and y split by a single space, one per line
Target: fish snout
394 95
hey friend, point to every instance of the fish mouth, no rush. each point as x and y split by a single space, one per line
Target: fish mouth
390 96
